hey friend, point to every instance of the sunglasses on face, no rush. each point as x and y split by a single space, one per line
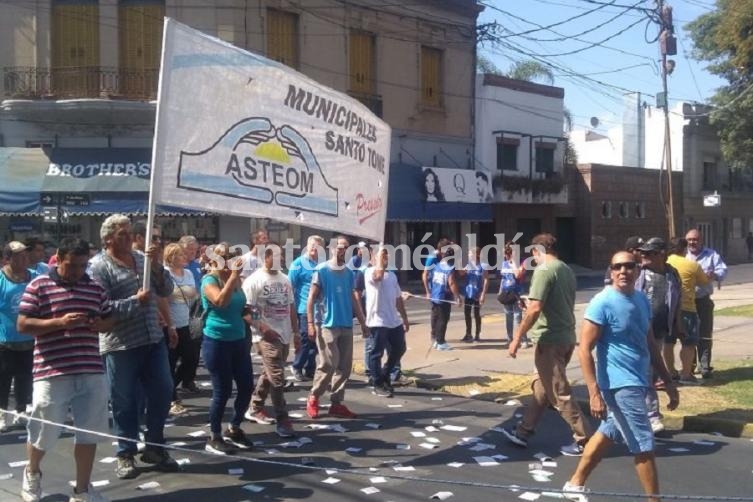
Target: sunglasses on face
649 253
629 265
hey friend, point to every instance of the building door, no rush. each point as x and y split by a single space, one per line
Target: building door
529 227
565 234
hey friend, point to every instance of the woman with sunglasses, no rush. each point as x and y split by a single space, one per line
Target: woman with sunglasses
226 348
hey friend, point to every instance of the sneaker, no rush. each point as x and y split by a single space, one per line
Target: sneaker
707 374
4 427
298 375
525 345
656 425
467 339
382 391
160 459
477 338
572 450
434 344
90 495
341 411
284 428
689 381
218 446
236 437
312 407
260 417
126 467
574 492
443 346
177 408
191 387
31 486
515 438
20 420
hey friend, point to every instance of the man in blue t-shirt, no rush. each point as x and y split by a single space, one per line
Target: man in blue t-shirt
442 290
617 323
333 283
301 272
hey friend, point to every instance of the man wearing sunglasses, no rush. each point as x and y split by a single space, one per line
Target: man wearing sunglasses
661 285
618 324
691 276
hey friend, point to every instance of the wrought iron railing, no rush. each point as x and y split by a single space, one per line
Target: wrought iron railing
28 82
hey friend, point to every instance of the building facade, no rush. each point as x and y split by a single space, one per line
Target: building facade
80 79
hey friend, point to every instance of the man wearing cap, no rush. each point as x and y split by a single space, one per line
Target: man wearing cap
660 283
631 246
16 349
716 270
691 277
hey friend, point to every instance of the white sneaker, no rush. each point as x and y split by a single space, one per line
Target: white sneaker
90 495
4 422
444 346
656 425
31 486
20 420
574 492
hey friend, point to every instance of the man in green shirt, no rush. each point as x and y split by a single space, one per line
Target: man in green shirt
550 318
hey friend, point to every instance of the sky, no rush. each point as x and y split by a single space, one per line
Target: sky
632 66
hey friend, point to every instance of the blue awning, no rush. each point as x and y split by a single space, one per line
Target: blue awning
406 200
21 174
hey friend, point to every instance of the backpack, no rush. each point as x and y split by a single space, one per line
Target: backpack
508 289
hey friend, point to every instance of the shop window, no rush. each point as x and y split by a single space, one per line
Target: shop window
282 37
507 154
624 211
362 62
431 77
606 209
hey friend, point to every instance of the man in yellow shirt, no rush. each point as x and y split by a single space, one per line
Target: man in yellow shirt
691 275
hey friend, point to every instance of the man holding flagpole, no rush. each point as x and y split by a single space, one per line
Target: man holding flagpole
134 350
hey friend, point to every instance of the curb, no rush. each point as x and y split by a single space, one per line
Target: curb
709 425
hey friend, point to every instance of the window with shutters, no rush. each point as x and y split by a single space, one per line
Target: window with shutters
507 154
140 44
75 48
362 63
282 37
431 77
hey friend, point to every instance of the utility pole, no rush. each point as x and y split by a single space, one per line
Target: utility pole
667 47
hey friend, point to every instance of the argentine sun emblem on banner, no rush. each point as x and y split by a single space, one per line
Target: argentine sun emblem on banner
240 134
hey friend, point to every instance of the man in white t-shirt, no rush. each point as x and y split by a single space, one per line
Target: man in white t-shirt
270 296
387 322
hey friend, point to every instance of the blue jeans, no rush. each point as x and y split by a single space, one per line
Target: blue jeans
305 359
228 361
627 419
513 314
135 374
393 341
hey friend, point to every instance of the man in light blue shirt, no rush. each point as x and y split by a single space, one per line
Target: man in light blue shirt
716 270
618 324
333 283
301 272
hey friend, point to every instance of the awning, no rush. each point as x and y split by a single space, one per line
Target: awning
21 173
406 200
99 181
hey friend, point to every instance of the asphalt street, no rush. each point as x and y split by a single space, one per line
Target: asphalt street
717 466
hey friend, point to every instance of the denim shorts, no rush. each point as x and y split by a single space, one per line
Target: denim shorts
690 324
627 419
85 395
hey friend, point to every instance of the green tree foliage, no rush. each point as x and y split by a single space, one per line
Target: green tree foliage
724 39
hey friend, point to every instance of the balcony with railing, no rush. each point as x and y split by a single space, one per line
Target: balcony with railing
25 82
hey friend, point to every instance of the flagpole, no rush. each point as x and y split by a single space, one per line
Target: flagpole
152 192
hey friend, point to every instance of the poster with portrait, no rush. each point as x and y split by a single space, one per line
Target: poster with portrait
442 184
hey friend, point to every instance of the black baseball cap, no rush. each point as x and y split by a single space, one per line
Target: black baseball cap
634 242
653 244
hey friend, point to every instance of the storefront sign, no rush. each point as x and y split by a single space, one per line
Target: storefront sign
456 185
240 134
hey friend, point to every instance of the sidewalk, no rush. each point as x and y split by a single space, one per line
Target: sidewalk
435 369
